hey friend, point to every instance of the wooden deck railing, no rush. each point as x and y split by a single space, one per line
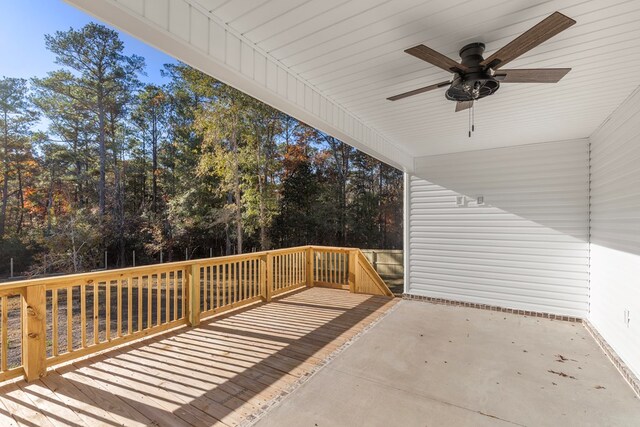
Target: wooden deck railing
51 320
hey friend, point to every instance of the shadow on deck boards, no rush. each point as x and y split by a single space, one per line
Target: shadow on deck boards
220 373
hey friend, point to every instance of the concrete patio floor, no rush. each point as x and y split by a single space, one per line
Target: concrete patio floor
435 365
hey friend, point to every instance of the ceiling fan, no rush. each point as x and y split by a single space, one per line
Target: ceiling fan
475 77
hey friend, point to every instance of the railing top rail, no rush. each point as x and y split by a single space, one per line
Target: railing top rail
152 268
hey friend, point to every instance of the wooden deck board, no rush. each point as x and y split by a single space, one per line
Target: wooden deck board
219 373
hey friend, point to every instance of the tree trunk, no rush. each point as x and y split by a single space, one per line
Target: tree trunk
264 244
5 177
154 166
103 153
236 190
21 198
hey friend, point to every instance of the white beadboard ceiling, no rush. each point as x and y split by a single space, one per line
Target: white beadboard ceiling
350 53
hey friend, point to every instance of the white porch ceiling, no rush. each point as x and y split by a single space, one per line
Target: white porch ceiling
348 55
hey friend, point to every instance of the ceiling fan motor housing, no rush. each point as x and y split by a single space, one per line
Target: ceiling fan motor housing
475 83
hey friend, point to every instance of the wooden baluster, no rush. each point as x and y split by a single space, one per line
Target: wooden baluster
185 285
129 304
83 315
54 322
325 267
256 277
149 299
232 283
211 291
70 319
229 283
167 297
5 334
236 281
241 281
149 294
159 299
119 308
174 274
96 290
194 295
140 290
245 278
275 272
249 282
295 270
223 288
217 286
107 316
269 269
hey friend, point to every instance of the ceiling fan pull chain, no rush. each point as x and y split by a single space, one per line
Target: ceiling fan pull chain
473 117
470 121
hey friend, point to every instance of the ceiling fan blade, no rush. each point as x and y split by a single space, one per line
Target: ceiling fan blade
463 105
419 90
539 33
436 58
532 75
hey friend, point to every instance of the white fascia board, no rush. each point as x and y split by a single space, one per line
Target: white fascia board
191 35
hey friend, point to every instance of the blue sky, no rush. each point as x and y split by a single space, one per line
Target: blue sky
24 23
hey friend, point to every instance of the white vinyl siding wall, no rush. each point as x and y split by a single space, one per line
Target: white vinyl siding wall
526 248
615 231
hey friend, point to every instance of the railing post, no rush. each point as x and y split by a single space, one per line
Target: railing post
193 295
269 277
353 264
34 353
263 277
310 267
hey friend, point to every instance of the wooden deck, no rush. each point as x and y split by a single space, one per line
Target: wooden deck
220 373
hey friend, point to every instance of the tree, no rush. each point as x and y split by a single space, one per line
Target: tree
16 117
150 117
95 54
300 220
341 154
222 123
60 99
260 162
